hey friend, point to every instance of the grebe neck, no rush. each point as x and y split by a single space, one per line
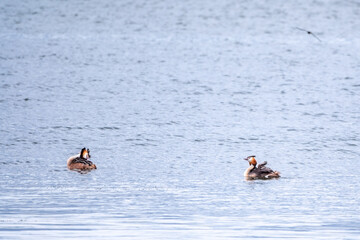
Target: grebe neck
248 170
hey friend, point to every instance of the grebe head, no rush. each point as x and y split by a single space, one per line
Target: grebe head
251 160
85 153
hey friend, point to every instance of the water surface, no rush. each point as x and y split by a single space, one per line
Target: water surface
170 97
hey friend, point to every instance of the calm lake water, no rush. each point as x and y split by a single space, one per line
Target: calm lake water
170 97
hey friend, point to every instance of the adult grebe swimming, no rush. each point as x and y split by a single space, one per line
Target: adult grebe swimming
81 161
259 172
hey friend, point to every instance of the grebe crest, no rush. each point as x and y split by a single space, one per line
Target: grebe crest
85 153
251 160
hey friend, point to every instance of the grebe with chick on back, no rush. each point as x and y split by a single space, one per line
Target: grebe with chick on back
81 161
253 172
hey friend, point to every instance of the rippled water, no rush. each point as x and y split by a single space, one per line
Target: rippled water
170 97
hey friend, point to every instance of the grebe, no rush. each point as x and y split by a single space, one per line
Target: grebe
259 172
81 161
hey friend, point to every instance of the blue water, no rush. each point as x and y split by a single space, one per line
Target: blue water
170 97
